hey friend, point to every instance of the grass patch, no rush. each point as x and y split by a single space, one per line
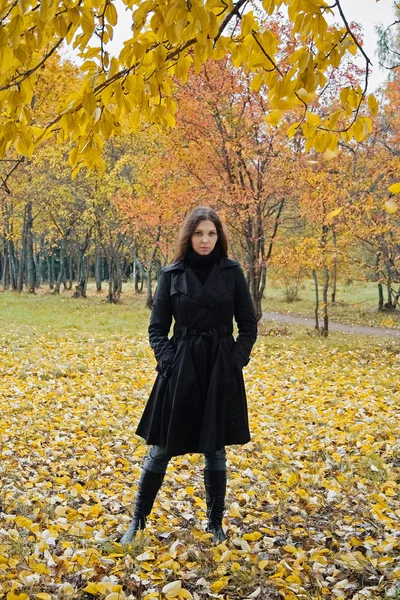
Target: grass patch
356 304
91 316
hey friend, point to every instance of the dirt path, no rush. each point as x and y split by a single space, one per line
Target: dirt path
308 322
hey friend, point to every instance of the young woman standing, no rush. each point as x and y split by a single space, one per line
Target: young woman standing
198 402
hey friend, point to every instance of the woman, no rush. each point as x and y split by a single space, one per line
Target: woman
198 402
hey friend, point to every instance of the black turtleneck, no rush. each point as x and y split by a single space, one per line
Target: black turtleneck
202 265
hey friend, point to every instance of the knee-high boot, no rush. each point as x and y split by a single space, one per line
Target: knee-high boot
215 484
149 485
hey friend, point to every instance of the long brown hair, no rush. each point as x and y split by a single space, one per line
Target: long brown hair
201 213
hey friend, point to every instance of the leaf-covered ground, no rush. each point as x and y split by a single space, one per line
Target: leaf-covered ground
313 504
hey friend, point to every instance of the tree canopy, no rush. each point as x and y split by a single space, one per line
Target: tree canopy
168 37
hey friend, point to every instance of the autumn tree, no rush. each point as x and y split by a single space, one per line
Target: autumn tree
167 38
370 208
389 41
65 212
319 205
153 195
360 216
289 265
54 82
371 219
235 161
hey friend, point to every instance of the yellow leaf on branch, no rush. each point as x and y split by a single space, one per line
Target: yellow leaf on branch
334 213
373 105
274 117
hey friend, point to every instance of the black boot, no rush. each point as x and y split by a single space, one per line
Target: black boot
149 485
215 484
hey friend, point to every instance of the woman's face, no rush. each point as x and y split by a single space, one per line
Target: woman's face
204 237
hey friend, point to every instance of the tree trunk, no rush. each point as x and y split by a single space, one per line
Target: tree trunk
103 269
22 256
324 236
97 268
334 272
40 259
262 278
261 264
257 278
248 277
139 276
12 265
114 273
380 287
80 290
46 259
124 272
30 263
70 273
389 304
79 270
82 274
252 259
149 299
325 299
316 312
133 258
60 277
110 295
86 272
113 296
5 275
381 299
65 270
52 270
118 275
396 298
257 256
39 268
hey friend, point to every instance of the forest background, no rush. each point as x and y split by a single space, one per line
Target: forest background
324 216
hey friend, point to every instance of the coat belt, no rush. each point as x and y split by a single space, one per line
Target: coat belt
214 332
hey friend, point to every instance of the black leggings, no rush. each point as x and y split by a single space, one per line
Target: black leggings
157 460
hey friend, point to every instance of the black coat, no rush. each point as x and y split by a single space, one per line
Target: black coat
198 401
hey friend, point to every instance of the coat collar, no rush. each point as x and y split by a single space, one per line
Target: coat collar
181 265
185 281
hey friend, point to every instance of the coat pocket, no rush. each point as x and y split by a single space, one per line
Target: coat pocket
232 368
173 364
